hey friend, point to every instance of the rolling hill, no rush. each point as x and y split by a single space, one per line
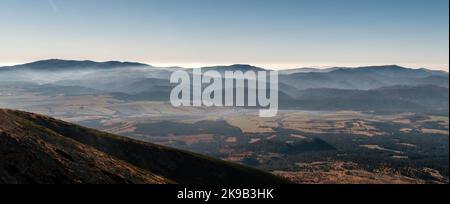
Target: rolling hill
236 67
427 98
57 65
39 149
366 78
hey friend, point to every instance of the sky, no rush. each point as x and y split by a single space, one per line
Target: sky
275 34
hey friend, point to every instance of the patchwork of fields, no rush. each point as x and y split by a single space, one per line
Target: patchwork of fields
303 146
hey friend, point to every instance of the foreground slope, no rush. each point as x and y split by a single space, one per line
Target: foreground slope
31 153
39 149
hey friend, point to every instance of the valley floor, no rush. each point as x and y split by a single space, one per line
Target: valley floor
304 146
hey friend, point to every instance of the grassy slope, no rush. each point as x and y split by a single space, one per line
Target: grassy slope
175 165
34 154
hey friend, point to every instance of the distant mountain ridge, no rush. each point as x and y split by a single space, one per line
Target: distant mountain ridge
366 78
234 67
60 63
302 89
57 64
378 67
307 70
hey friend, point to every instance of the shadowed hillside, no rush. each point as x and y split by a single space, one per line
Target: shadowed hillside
39 149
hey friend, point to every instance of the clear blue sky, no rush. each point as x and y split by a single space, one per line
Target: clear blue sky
270 33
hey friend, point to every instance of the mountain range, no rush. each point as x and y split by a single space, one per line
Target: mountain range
40 149
57 65
372 88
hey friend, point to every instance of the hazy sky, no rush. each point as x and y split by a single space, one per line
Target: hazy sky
269 33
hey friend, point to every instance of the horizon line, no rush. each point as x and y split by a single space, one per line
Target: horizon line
268 66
